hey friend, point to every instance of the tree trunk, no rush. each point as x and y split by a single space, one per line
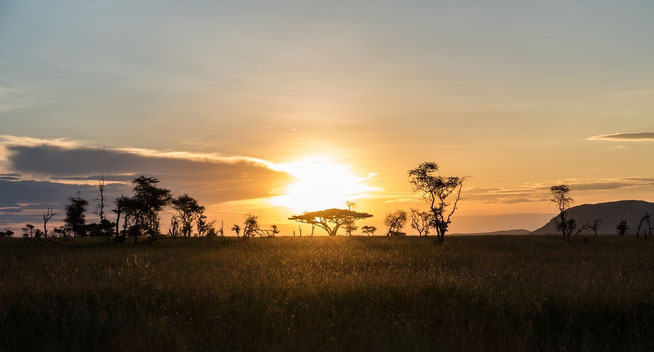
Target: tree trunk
117 222
563 224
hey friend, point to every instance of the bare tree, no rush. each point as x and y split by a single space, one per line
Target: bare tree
105 225
100 206
436 190
585 225
595 226
421 221
46 217
646 230
560 197
395 222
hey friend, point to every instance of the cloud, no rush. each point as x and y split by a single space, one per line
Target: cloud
12 98
539 192
46 172
613 184
491 195
625 137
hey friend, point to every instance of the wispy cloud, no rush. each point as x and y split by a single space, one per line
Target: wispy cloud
625 137
12 98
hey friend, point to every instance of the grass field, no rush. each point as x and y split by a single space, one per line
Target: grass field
308 294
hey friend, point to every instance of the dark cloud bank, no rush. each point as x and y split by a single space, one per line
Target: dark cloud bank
38 176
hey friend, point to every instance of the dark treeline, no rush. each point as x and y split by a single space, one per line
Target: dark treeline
138 215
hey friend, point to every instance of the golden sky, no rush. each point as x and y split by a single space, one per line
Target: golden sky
511 93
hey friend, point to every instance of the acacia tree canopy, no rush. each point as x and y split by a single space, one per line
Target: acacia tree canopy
437 190
330 220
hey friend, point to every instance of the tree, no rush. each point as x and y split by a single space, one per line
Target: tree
395 222
121 205
560 197
6 233
236 229
369 230
250 226
436 190
28 230
595 226
203 225
421 221
147 202
272 232
105 227
75 219
349 225
188 211
46 217
622 227
646 230
330 220
173 231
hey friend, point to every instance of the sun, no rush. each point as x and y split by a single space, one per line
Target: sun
321 184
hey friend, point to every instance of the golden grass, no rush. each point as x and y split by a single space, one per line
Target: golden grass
308 294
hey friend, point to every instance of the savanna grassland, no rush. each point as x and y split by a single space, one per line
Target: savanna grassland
320 293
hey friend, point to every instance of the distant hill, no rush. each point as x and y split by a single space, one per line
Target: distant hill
503 232
609 213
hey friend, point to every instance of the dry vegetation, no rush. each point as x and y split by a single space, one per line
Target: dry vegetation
471 293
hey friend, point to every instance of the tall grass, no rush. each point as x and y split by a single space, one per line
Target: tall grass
308 294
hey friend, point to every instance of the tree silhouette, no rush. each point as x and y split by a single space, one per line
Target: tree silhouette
105 226
75 219
188 211
560 197
436 190
250 226
147 202
46 217
595 225
421 221
646 230
203 225
28 230
622 227
330 220
395 222
369 230
236 228
121 205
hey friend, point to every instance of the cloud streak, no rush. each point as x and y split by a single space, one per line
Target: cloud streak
625 137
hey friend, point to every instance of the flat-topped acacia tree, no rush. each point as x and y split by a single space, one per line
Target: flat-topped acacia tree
330 220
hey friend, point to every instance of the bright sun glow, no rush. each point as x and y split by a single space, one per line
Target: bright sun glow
320 184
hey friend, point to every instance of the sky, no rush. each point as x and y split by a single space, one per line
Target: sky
239 103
